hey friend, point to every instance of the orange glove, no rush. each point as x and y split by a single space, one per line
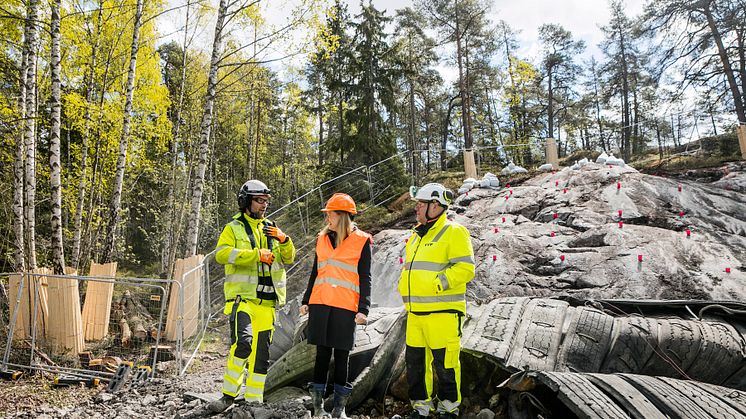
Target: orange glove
266 256
272 231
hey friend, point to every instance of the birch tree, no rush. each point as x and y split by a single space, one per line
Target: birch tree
31 46
54 144
205 126
116 196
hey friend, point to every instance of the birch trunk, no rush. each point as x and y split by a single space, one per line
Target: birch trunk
205 126
58 253
18 173
116 196
30 132
78 223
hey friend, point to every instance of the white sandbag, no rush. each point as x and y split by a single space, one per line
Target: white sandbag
519 169
602 158
505 171
575 166
546 167
484 183
613 161
470 180
495 182
582 162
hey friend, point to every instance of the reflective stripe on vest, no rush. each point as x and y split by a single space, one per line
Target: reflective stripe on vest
337 282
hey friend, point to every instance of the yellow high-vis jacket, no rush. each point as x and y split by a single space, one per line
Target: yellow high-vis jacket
437 268
241 259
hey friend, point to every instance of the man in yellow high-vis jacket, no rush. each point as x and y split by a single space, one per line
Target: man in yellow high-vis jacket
254 252
439 263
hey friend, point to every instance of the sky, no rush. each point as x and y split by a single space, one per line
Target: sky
581 17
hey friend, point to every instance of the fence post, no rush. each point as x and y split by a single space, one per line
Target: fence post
551 152
741 131
370 185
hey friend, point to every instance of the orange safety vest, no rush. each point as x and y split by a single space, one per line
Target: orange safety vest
337 283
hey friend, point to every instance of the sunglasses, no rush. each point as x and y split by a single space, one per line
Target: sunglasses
261 201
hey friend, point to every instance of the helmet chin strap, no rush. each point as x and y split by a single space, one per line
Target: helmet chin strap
427 213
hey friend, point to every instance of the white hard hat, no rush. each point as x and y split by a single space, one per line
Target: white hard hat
251 188
432 192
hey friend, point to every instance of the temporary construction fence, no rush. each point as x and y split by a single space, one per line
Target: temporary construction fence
136 321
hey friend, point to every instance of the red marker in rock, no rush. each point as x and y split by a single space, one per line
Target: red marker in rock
562 258
620 213
681 213
503 219
688 232
554 216
496 229
511 192
619 185
564 190
508 185
506 197
401 260
621 224
466 193
494 258
727 270
639 258
556 183
679 187
553 234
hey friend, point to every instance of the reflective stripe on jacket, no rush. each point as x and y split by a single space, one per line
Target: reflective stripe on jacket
241 260
443 259
337 283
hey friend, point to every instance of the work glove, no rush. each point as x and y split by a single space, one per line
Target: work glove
266 256
272 231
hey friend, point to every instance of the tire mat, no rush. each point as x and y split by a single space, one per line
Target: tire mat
679 344
586 341
495 329
721 351
709 403
579 394
538 335
632 345
668 399
629 397
735 398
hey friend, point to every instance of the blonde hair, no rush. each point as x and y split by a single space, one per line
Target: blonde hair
345 227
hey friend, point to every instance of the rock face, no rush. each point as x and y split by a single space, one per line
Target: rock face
597 232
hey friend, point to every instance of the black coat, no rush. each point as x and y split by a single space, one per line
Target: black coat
332 326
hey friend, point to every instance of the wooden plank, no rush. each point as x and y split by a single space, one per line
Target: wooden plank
97 307
192 287
190 284
31 286
65 328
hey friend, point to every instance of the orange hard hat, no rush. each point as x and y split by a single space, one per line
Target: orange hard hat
340 202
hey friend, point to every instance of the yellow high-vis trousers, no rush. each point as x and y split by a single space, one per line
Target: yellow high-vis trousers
434 341
251 325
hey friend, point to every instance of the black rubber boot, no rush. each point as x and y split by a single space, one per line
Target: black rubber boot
317 397
341 395
221 404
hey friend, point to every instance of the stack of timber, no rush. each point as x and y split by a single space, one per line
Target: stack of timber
189 282
65 327
97 306
32 285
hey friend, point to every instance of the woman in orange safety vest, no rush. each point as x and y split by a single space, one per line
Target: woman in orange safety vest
337 298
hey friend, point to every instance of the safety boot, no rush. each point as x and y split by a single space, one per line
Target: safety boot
221 404
317 397
341 395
